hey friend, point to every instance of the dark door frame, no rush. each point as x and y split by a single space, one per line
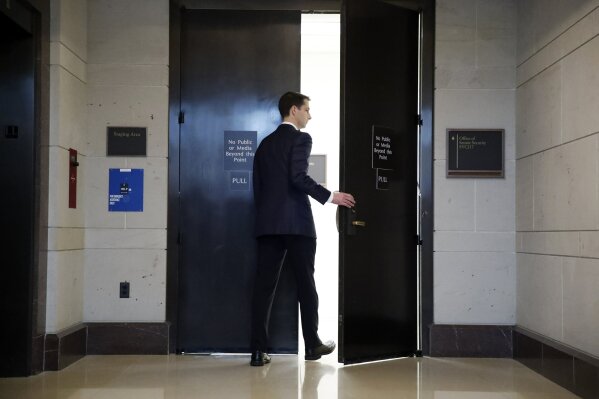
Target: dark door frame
34 16
427 9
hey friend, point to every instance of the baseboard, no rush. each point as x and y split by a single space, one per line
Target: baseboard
574 370
128 338
64 348
470 341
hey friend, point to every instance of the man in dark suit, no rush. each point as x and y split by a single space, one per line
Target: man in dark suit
285 225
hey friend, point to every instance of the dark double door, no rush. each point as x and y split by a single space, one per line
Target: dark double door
234 67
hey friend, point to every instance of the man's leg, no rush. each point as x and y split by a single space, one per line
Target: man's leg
271 253
300 255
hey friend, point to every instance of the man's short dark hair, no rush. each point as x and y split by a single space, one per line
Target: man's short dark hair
290 99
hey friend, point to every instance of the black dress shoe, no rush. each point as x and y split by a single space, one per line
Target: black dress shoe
319 351
259 358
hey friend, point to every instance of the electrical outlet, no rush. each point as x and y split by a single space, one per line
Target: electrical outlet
124 289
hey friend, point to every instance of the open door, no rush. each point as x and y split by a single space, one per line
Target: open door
378 165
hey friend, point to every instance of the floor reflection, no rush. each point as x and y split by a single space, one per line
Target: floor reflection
170 377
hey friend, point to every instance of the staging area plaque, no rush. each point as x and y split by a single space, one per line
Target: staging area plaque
475 152
126 141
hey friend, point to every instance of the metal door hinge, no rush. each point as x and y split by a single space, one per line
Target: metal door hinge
419 120
418 240
181 117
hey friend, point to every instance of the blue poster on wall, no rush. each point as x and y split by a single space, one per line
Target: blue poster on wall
126 190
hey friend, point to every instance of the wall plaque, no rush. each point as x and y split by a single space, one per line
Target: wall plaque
384 141
240 147
126 141
475 152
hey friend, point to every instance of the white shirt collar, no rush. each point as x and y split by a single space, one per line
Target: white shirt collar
289 123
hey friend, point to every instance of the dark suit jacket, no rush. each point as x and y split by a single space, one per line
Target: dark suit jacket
282 184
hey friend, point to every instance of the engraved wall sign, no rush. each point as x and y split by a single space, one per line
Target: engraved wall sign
475 152
126 141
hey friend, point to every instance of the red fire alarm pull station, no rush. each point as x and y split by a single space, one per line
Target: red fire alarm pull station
73 178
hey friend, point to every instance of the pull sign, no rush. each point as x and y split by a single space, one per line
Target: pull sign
73 164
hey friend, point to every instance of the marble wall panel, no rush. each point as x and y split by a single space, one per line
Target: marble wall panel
454 201
475 77
128 32
524 194
589 244
525 44
496 33
456 54
67 106
495 202
144 269
474 241
125 238
59 213
479 109
496 52
581 92
565 243
128 75
65 238
539 294
538 109
553 17
565 187
534 62
474 288
68 25
455 20
496 19
144 106
64 302
581 304
64 57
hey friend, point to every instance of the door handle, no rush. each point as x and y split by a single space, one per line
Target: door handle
358 223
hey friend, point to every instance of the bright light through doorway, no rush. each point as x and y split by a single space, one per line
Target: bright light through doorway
320 80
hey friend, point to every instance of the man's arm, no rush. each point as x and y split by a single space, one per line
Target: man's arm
298 171
299 176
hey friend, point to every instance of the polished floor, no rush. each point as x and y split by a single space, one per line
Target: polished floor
170 377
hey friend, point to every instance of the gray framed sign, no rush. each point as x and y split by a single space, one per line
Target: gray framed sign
317 168
126 141
476 153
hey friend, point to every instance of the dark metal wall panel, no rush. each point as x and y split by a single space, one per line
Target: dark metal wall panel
24 102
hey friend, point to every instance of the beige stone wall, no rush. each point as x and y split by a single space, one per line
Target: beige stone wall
127 86
474 239
109 66
557 170
68 85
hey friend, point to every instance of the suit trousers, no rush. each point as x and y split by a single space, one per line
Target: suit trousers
299 252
